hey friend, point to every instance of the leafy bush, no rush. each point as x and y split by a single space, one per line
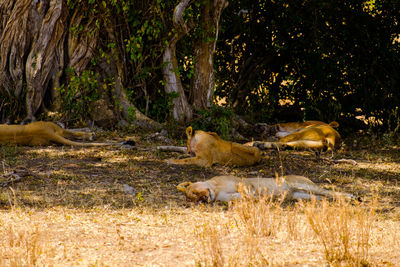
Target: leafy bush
217 119
77 95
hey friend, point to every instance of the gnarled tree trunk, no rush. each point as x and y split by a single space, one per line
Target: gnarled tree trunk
31 49
39 40
203 82
45 62
181 110
19 33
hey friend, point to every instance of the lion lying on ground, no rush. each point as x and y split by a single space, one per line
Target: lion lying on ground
280 130
227 188
42 133
209 149
318 138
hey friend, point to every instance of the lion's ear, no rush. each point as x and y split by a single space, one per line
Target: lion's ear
183 186
334 124
189 131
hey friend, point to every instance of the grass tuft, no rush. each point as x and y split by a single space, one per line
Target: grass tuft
343 229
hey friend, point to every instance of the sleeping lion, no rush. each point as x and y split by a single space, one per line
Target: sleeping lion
280 130
313 135
226 188
42 133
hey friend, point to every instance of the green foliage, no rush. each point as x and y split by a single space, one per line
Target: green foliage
162 107
145 31
78 93
143 46
131 115
328 60
334 59
216 119
138 29
9 154
11 107
139 198
120 6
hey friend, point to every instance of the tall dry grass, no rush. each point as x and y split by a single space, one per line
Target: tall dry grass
22 246
260 217
220 248
211 236
342 230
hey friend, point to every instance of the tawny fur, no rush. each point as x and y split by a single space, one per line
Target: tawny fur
280 130
42 133
210 149
321 137
284 129
227 188
317 137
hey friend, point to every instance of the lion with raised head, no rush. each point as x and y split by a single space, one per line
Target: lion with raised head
42 133
227 188
208 149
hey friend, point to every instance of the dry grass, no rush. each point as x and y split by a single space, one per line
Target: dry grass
261 218
343 229
78 214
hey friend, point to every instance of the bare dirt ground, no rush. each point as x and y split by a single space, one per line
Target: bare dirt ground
120 207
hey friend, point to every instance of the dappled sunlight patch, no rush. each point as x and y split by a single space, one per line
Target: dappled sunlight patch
122 159
60 152
393 167
47 151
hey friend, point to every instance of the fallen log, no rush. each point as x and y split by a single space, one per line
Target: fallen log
180 149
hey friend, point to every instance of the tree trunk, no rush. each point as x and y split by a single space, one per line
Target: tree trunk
203 82
15 40
39 39
81 47
45 62
31 55
181 110
31 50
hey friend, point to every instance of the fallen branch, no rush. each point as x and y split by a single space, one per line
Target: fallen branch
17 176
180 149
329 160
350 161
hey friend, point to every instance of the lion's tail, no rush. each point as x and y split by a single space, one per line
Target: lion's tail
61 140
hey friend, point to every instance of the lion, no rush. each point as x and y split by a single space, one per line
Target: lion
42 133
319 138
208 149
227 188
280 130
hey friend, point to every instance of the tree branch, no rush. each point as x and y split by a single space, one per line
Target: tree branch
180 149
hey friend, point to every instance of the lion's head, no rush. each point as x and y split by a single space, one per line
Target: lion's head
197 192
